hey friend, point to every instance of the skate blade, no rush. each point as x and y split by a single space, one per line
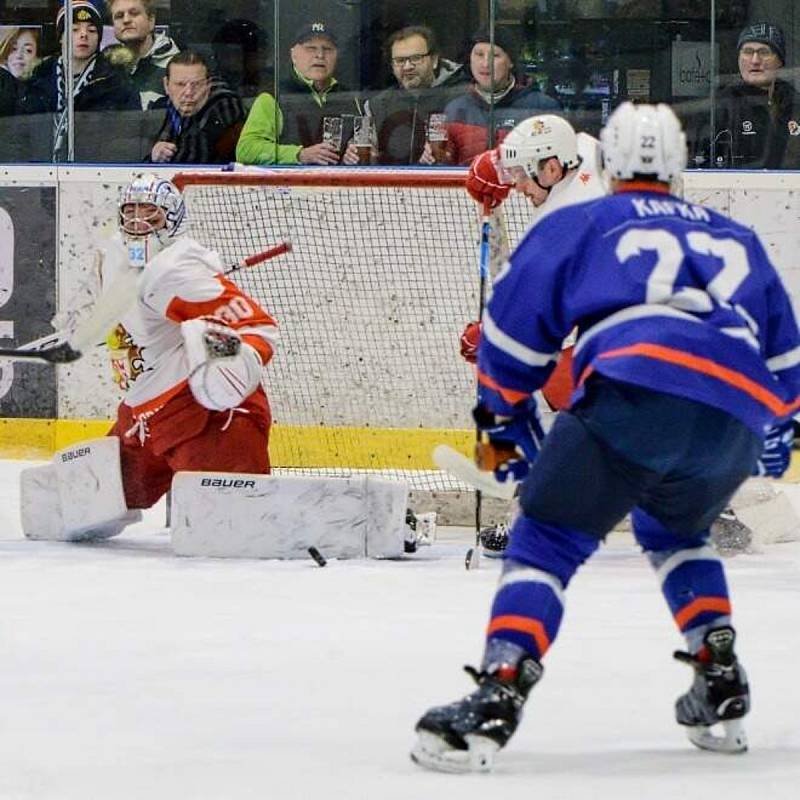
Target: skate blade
732 740
434 753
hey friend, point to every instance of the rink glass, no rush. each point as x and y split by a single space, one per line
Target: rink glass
588 55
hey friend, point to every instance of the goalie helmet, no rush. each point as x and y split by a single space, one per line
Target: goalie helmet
644 140
151 212
538 138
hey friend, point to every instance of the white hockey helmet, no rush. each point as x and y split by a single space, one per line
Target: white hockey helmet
643 140
537 138
146 233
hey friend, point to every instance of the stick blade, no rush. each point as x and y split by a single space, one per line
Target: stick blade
463 468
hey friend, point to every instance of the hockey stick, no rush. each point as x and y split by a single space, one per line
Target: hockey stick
493 252
63 348
473 556
463 468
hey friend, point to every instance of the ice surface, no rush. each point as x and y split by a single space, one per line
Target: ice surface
130 673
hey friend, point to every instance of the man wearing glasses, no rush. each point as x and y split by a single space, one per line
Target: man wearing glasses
290 131
758 118
425 85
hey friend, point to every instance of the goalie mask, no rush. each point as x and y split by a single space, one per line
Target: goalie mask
534 140
643 140
151 212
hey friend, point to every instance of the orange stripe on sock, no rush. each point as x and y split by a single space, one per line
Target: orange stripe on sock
698 606
532 627
711 368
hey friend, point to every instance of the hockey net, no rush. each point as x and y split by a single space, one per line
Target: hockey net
381 281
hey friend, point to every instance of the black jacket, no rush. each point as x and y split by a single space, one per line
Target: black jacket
210 135
108 89
8 93
401 116
754 130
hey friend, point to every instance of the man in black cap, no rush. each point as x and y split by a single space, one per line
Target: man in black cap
757 122
291 131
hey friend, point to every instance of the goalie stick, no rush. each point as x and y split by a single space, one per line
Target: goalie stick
63 348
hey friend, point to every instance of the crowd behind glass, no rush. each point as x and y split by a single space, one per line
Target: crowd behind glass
384 82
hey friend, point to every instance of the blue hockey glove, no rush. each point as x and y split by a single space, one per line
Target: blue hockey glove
510 443
777 453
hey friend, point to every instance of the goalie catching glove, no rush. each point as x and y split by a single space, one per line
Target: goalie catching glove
777 452
223 370
483 183
508 444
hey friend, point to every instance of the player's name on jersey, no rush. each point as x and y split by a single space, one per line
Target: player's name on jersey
654 207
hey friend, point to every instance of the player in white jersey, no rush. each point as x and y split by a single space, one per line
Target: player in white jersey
546 161
189 354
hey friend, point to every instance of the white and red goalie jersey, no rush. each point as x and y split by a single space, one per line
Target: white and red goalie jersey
181 283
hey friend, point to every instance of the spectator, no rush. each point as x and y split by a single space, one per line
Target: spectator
291 133
19 51
468 116
98 85
425 82
149 52
203 115
757 119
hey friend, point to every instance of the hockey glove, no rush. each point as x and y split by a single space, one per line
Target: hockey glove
483 183
470 339
511 443
223 370
777 452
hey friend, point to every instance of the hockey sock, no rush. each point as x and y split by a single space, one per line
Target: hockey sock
692 578
529 603
526 615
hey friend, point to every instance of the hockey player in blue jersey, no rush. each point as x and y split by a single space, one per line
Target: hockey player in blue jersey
687 367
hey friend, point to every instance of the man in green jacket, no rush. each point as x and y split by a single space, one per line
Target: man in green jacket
290 130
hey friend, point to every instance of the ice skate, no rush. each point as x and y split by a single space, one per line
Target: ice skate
729 535
719 696
494 540
465 736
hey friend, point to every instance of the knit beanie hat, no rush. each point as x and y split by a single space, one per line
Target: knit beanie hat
82 11
765 33
502 39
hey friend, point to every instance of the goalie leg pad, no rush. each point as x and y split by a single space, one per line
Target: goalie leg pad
240 515
79 497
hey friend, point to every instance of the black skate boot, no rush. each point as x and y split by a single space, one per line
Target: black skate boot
464 736
494 540
719 695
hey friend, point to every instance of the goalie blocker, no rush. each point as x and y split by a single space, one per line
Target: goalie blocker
232 515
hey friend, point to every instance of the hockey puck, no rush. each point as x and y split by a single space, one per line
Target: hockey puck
468 559
317 556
